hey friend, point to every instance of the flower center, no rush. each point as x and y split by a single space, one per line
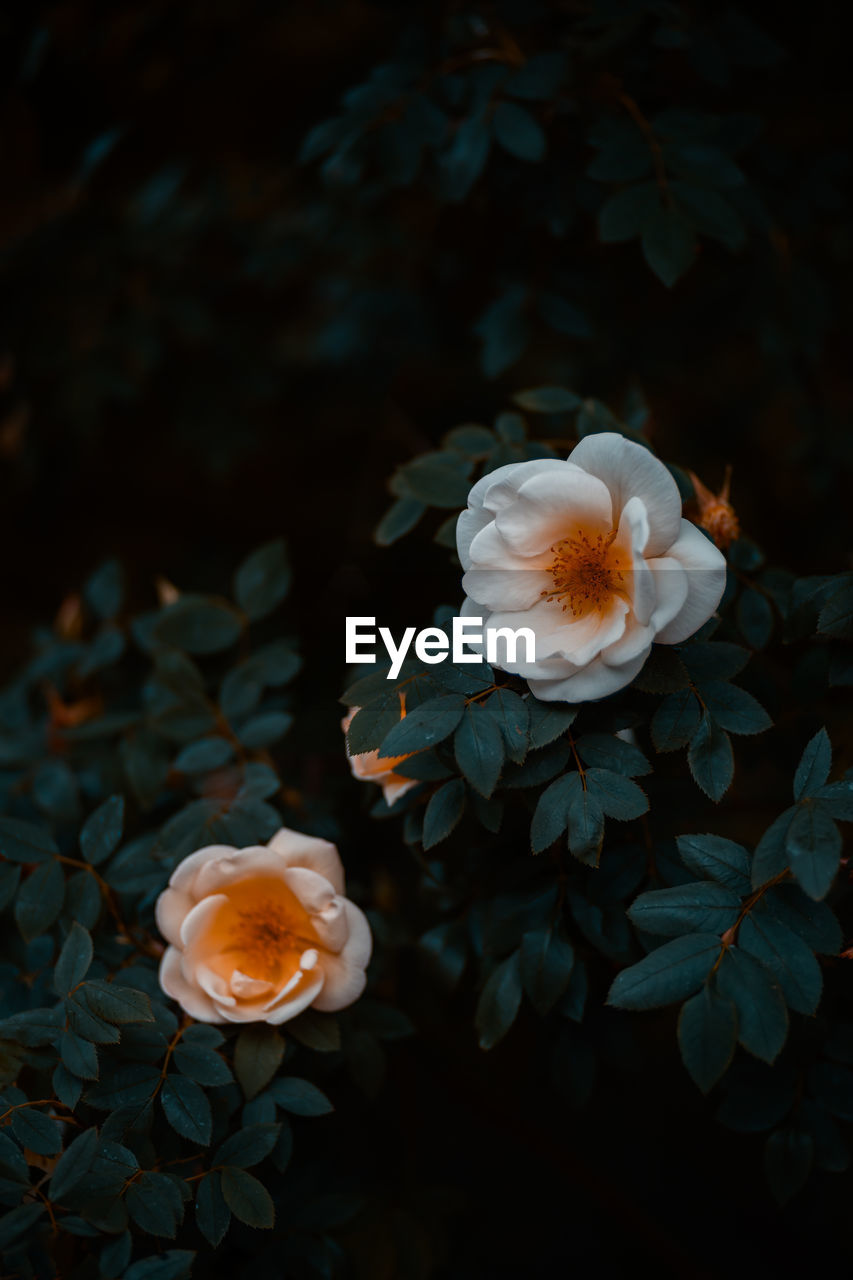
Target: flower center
587 571
264 938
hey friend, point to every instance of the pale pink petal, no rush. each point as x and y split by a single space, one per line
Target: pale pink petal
299 850
595 681
189 996
197 921
670 579
506 589
344 974
629 470
251 863
169 912
706 581
396 787
185 872
554 505
313 890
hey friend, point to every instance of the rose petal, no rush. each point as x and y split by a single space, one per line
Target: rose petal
189 996
299 850
629 470
185 872
200 919
313 890
706 581
506 589
552 505
598 680
344 974
171 908
670 579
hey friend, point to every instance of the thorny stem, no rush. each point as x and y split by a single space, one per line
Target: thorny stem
580 767
730 936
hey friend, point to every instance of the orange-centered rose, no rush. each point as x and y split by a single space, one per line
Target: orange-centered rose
258 934
593 556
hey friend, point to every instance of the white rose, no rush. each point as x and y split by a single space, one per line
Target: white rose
259 934
593 555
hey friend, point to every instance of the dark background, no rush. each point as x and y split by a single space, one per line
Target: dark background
204 346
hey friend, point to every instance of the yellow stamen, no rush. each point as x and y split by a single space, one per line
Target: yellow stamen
586 571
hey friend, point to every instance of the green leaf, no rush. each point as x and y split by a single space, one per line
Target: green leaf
547 959
771 855
788 1155
714 856
548 721
787 958
519 133
762 1016
197 624
102 830
472 439
300 1097
443 812
547 400
605 751
479 748
586 822
18 1222
424 726
23 842
204 755
675 720
670 973
318 1031
79 1056
755 618
713 659
265 729
174 1264
212 1213
36 1131
116 1004
263 580
710 759
624 215
815 763
104 591
40 900
187 1109
552 813
707 1036
155 1204
32 1027
836 616
733 708
813 844
499 1002
814 922
247 1198
258 1054
74 1163
512 717
617 795
201 1064
74 960
115 1256
249 1146
400 518
699 906
837 799
435 479
669 244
